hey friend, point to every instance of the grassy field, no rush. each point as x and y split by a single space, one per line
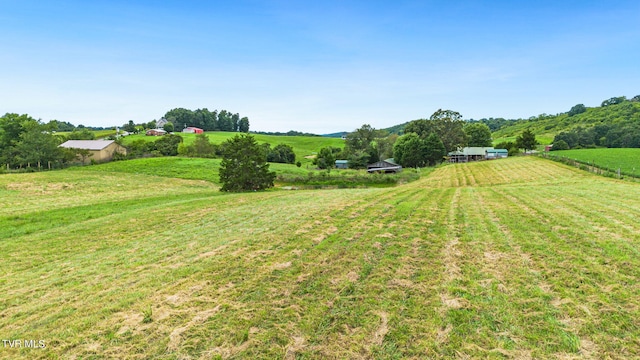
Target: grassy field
627 160
516 258
208 170
303 146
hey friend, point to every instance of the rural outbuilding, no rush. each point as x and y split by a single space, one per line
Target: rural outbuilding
342 164
99 150
497 154
384 166
156 132
192 130
467 154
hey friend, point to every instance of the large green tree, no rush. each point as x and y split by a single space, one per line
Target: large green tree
526 140
25 141
446 124
244 166
478 134
410 150
365 145
326 157
281 153
168 144
37 146
577 109
434 149
243 125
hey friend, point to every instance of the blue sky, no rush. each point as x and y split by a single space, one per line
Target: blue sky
320 67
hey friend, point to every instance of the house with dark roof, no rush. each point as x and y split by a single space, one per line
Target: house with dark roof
384 166
99 150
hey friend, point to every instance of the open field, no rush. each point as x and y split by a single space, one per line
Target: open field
516 258
627 160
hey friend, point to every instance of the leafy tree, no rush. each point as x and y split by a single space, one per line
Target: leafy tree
510 146
243 125
446 124
359 159
361 146
282 153
168 145
635 98
37 146
560 145
168 127
139 148
244 166
478 134
577 109
130 127
526 140
235 121
410 150
435 150
203 147
614 101
326 158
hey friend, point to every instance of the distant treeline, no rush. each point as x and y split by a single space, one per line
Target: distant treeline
215 120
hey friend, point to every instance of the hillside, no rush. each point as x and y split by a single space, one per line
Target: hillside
516 258
547 126
550 125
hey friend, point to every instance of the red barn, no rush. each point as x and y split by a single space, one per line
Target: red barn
192 130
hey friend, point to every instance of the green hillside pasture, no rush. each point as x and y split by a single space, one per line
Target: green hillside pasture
514 258
304 146
170 166
544 139
547 126
627 160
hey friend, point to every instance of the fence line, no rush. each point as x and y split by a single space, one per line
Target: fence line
591 167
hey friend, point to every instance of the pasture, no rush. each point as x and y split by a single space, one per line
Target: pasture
515 258
627 160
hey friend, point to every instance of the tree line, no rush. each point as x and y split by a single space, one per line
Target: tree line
425 142
28 143
215 120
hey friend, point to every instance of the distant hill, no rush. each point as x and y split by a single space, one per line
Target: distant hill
397 129
336 135
550 125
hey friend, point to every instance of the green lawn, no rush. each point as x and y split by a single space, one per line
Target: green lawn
518 258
